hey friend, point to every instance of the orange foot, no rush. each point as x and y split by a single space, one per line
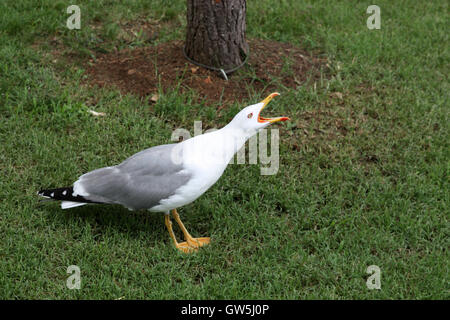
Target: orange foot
192 244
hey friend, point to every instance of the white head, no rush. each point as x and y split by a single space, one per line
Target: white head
249 119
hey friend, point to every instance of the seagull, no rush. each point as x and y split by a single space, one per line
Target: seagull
166 177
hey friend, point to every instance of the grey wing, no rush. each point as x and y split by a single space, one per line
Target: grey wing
140 182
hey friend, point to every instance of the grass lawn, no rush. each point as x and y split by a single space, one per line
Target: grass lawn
364 164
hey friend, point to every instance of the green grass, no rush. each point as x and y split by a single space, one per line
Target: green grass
375 191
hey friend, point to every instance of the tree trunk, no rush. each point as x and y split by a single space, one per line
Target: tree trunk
216 32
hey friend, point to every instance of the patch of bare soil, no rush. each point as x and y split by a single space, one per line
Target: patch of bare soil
142 70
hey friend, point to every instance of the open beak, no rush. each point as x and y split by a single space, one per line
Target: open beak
265 102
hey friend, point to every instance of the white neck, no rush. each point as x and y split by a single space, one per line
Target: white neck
237 136
217 147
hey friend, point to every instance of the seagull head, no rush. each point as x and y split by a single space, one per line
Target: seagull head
250 120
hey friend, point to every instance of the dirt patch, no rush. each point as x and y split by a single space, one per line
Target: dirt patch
141 71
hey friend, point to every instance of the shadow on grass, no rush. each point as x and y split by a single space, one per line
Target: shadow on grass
109 220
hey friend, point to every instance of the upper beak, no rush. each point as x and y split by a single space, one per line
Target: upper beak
265 102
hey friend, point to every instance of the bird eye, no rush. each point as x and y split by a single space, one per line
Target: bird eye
250 115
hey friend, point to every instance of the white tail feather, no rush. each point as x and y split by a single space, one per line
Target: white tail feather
71 204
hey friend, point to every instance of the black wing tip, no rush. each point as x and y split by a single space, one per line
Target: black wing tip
63 194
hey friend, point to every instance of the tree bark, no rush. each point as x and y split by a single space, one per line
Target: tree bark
216 32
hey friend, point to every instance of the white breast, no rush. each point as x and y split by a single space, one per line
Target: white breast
205 158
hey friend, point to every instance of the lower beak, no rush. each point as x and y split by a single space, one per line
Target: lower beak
265 102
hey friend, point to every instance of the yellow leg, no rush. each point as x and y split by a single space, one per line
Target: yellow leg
191 241
169 228
191 244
